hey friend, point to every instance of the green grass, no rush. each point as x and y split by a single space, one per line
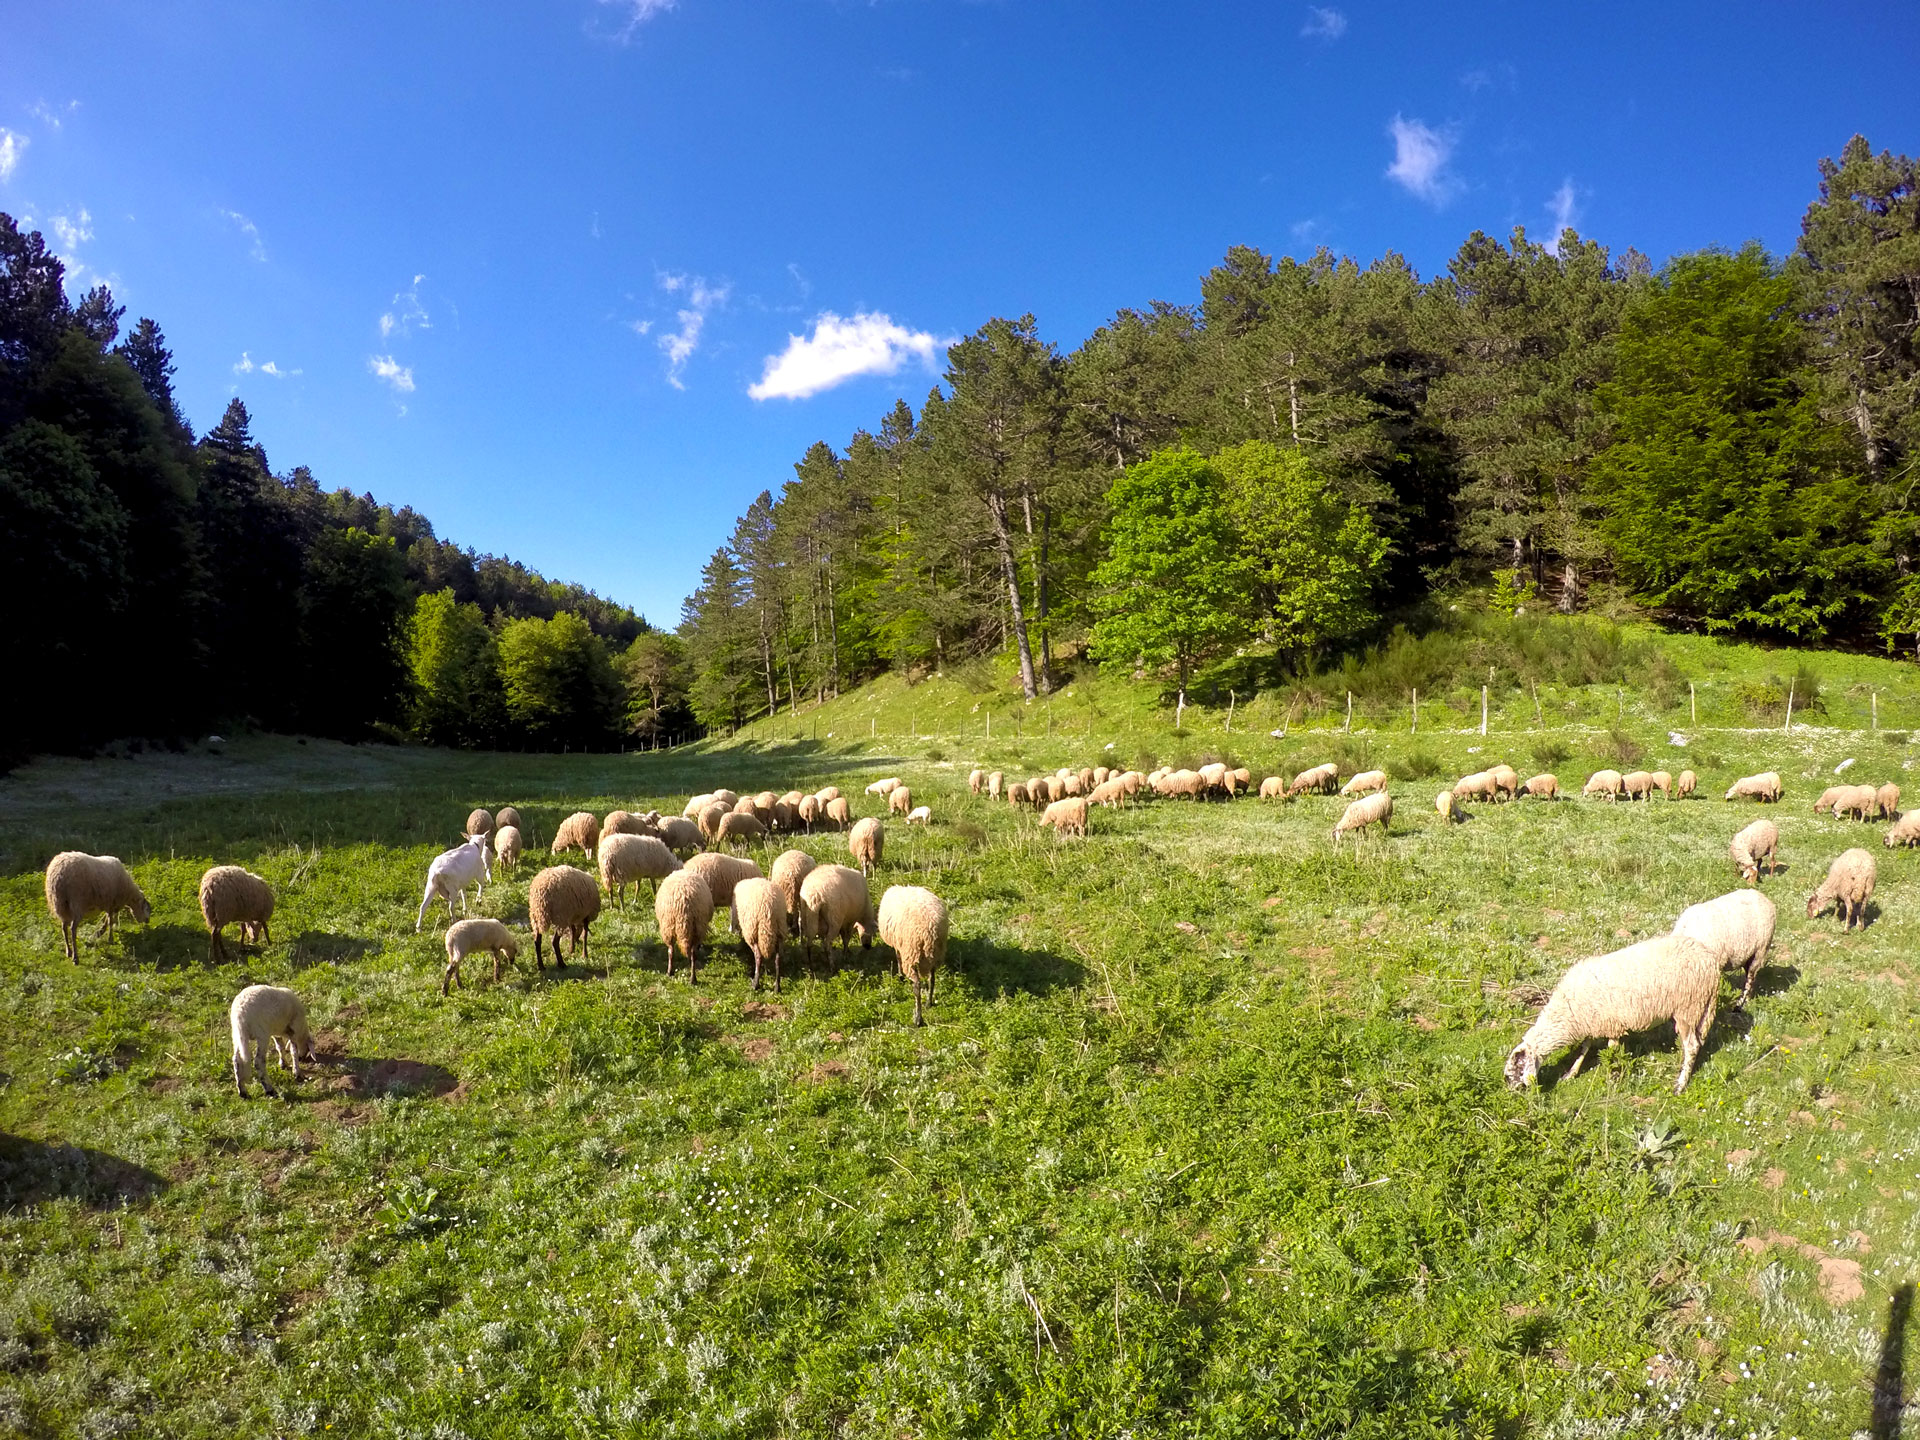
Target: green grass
1206 1135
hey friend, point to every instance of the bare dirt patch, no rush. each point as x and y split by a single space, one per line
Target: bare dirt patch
1840 1279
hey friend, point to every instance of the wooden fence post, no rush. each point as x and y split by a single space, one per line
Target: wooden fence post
1232 700
1539 718
1349 712
1416 710
1788 727
1483 709
1693 704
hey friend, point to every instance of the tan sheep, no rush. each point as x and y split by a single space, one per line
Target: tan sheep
1447 805
838 814
1110 793
709 821
628 859
1887 800
263 1017
1367 782
728 798
1737 927
1829 797
1240 780
1320 780
899 800
1755 846
1481 786
1847 888
792 797
913 922
1685 784
579 831
506 847
507 816
1905 830
1663 782
623 822
785 818
748 805
1764 787
81 886
479 823
1131 781
680 835
865 844
1067 817
995 781
1273 787
562 901
1637 785
807 812
1017 793
790 868
1542 787
722 873
695 804
1087 782
827 793
1506 781
683 909
1056 788
478 936
760 915
230 895
975 779
739 829
1606 783
1859 801
1375 809
834 905
884 787
1072 786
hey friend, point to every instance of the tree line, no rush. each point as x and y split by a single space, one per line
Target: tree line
175 583
1271 473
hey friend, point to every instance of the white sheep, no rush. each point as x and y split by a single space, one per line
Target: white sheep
1542 787
1506 780
760 915
506 847
1447 805
866 844
1848 887
913 921
629 859
562 901
1067 817
451 872
1481 786
1684 784
835 905
478 936
231 895
1887 800
1758 844
1605 997
1637 785
1604 782
266 1017
1375 809
683 909
790 868
1366 782
579 831
995 781
920 815
81 886
1737 927
1764 787
1663 782
975 779
1904 831
884 787
722 873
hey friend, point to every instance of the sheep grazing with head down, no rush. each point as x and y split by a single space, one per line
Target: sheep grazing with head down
579 831
1663 782
996 780
726 797
1737 927
1367 782
1017 793
1542 787
1764 787
1481 786
628 859
1375 809
722 873
695 804
263 1018
1887 800
1757 845
231 895
1685 784
450 873
679 835
1637 785
683 909
624 822
1320 780
506 847
81 886
1904 831
1859 801
826 793
508 816
1506 780
1447 805
884 787
920 815
1605 997
1273 787
1110 793
1071 786
1847 888
710 819
739 829
835 905
838 814
479 823
807 812
760 915
562 901
975 779
790 868
899 800
1067 817
913 922
1605 783
478 936
866 843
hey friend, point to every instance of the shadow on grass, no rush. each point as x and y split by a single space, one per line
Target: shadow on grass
322 947
168 947
363 1077
995 970
34 1171
1890 1379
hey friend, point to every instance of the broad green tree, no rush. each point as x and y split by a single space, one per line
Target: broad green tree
354 604
559 683
455 673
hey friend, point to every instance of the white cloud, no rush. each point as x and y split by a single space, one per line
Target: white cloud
635 13
1564 207
246 366
1420 156
407 314
679 345
385 367
1324 23
52 116
640 327
255 246
12 146
838 350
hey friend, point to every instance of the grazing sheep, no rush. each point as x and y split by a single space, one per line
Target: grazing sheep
1017 793
920 815
1087 782
785 818
975 779
808 812
1604 782
790 868
1447 805
1067 816
739 827
726 797
683 909
507 816
264 1016
746 805
1887 800
834 905
563 901
680 835
1481 786
479 823
838 814
1848 887
506 847
1241 779
1663 782
1829 797
579 831
230 895
1764 787
1506 780
1320 780
913 921
722 873
1755 846
1131 782
899 800
709 821
1860 801
764 802
865 844
451 872
1637 785
695 804
1071 786
1737 927
628 859
1111 793
1670 977
1375 809
1188 783
1542 787
1055 787
827 793
624 822
1365 783
760 915
1273 787
81 886
1685 784
792 797
1905 831
995 780
478 936
884 787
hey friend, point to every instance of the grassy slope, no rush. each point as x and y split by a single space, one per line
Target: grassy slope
1207 1134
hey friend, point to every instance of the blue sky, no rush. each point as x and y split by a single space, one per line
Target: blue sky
536 269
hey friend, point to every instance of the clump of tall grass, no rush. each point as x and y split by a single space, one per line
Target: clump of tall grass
1463 651
1414 765
1620 749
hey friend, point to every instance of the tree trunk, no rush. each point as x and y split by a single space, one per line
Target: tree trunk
1293 399
1009 572
1039 548
833 630
1569 589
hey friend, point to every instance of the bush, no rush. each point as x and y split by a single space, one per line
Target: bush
936 754
1550 753
1414 765
1894 737
1620 749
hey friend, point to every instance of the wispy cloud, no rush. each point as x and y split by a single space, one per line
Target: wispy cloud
1324 23
640 327
256 247
869 343
12 146
52 116
1503 75
1420 156
1564 207
245 366
632 14
385 367
678 345
407 313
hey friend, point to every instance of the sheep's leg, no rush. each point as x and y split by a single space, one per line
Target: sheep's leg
106 925
1746 990
776 969
214 951
1580 1059
918 1019
426 900
240 1070
693 965
756 968
260 1065
70 940
932 979
453 974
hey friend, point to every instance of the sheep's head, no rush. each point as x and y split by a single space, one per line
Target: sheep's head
1523 1067
1817 902
510 947
141 907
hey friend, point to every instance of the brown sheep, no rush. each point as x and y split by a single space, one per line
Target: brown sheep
866 842
562 901
1067 816
579 831
899 800
1848 887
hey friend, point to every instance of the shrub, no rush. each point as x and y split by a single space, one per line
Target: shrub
1414 765
935 753
1620 749
1894 737
1550 753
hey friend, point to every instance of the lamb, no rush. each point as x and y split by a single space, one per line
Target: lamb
835 906
760 915
507 816
1481 786
1637 785
866 842
230 895
1684 785
479 823
453 871
81 886
1754 846
975 779
838 814
884 787
579 831
683 909
722 873
1447 804
506 846
263 1016
995 780
1608 996
1848 887
628 859
565 901
478 936
1604 782
1375 809
1663 782
913 921
1320 780
1887 800
1506 780
739 827
623 822
1737 927
1067 816
1542 787
920 815
1365 783
1905 831
790 868
899 800
1764 787
680 835
710 819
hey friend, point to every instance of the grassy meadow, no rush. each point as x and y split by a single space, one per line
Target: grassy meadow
1206 1136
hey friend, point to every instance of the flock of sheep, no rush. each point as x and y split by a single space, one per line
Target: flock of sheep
685 859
